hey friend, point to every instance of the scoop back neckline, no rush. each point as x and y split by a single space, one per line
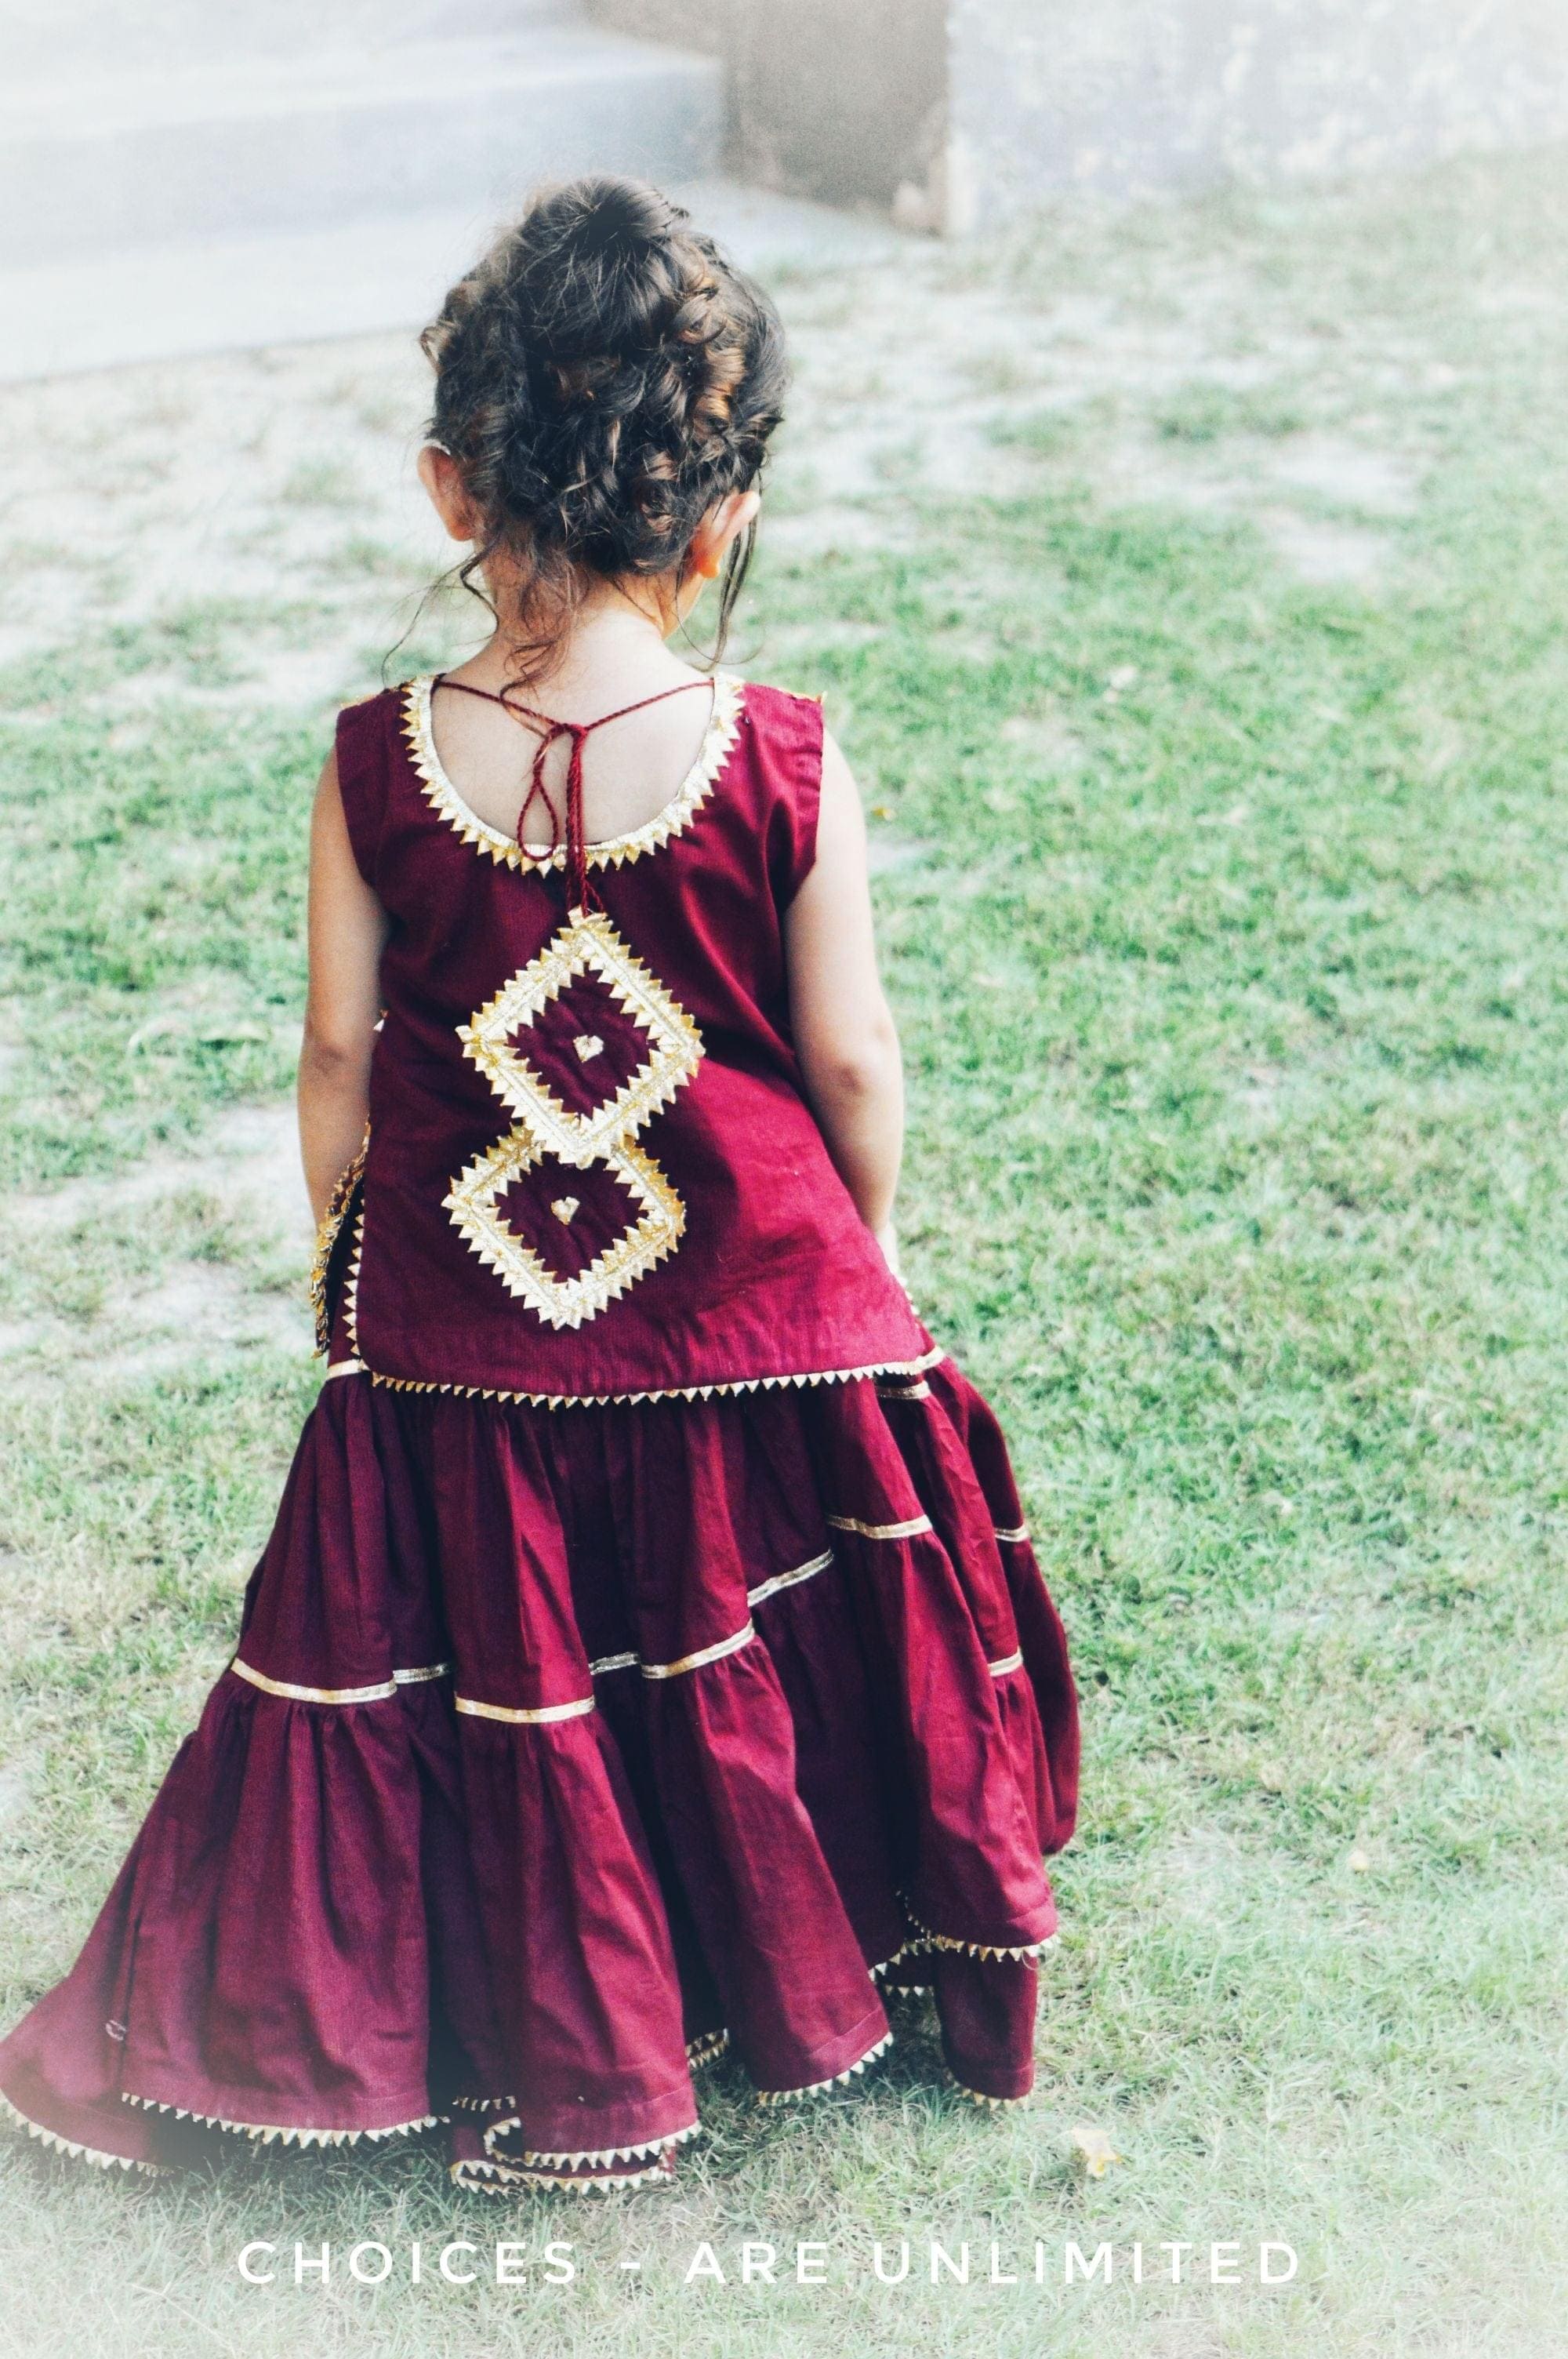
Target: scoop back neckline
673 817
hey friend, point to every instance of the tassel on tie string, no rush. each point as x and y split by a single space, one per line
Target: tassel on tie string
581 894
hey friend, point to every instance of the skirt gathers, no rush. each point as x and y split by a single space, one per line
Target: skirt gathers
562 1749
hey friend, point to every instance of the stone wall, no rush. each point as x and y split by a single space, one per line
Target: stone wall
838 99
1126 96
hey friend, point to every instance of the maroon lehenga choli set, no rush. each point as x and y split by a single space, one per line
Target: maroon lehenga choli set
648 1656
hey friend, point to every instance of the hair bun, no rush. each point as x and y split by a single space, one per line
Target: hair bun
618 216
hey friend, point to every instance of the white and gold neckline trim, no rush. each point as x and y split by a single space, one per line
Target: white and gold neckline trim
613 851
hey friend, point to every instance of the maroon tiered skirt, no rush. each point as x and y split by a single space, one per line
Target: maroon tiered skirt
563 1748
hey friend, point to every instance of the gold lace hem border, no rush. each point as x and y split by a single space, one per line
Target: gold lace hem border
535 2159
834 2079
535 2167
283 2134
359 1366
705 2048
927 1939
978 2097
475 2177
75 2147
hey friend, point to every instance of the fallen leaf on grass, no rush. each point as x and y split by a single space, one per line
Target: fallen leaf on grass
1094 2149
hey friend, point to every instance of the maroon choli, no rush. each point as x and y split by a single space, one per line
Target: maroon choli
592 1171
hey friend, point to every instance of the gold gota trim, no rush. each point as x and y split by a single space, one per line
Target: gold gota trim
703 1654
74 2147
277 2132
345 1368
918 1391
351 1288
976 1949
489 2178
904 1531
597 1670
698 2051
788 1579
979 2097
291 1693
529 1718
441 794
590 2157
705 2049
1020 1532
905 1950
1008 1663
656 1392
834 2081
889 1975
327 1234
631 1661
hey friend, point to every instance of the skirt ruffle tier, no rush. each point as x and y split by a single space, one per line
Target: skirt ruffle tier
563 1749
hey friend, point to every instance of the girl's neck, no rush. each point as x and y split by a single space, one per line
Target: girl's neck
615 657
614 651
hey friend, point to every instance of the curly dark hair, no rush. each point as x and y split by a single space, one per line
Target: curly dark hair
604 378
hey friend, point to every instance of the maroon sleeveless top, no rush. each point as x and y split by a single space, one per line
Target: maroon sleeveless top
591 1171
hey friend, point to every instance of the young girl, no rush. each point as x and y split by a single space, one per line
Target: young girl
648 1657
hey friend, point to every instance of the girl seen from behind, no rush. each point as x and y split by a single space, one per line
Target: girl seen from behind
648 1656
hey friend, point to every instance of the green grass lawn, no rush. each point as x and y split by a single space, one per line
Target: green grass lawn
1224 912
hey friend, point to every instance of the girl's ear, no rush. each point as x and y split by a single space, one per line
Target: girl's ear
440 473
719 529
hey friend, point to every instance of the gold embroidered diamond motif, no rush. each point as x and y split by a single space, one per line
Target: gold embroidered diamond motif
603 1133
566 1301
586 944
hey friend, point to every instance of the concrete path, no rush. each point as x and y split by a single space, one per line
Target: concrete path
158 302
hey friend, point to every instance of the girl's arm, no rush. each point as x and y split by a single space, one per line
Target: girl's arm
348 929
844 1032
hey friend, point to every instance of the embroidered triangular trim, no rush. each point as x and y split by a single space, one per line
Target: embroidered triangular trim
591 2157
74 2147
834 2079
723 727
280 2134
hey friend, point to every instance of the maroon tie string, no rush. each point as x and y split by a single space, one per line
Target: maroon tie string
550 729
